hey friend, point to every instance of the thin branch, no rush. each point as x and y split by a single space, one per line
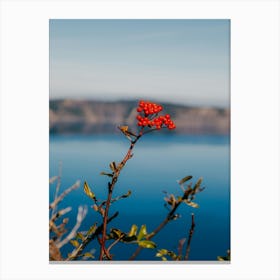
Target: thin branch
59 231
190 238
57 185
180 246
110 191
53 179
60 213
61 197
76 252
167 219
114 243
82 211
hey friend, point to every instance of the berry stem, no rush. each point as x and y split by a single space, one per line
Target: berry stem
111 186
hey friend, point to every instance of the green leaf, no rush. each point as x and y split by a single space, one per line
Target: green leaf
161 252
79 235
191 203
92 229
172 255
133 230
106 174
142 232
185 179
147 244
88 191
75 243
88 255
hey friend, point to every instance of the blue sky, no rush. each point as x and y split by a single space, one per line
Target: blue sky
180 61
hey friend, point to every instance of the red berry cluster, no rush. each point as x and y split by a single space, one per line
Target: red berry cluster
148 116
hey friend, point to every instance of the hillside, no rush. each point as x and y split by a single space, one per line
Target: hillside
88 117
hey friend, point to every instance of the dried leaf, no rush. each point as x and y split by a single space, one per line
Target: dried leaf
191 203
197 185
106 174
113 166
185 179
125 131
127 194
116 233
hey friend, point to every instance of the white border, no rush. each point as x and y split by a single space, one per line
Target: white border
254 142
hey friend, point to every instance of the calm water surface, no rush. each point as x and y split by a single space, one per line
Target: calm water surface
158 162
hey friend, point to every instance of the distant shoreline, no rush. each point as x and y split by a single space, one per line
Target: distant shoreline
72 116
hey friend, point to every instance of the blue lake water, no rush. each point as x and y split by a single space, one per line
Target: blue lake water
158 162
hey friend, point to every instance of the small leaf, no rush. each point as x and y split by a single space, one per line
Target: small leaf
106 174
133 230
142 232
88 255
197 185
127 194
92 229
116 233
172 255
163 251
147 244
219 258
185 179
113 166
175 217
179 198
164 258
80 236
75 243
95 207
192 204
126 132
171 200
88 191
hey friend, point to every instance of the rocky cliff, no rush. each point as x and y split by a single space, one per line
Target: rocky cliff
87 117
